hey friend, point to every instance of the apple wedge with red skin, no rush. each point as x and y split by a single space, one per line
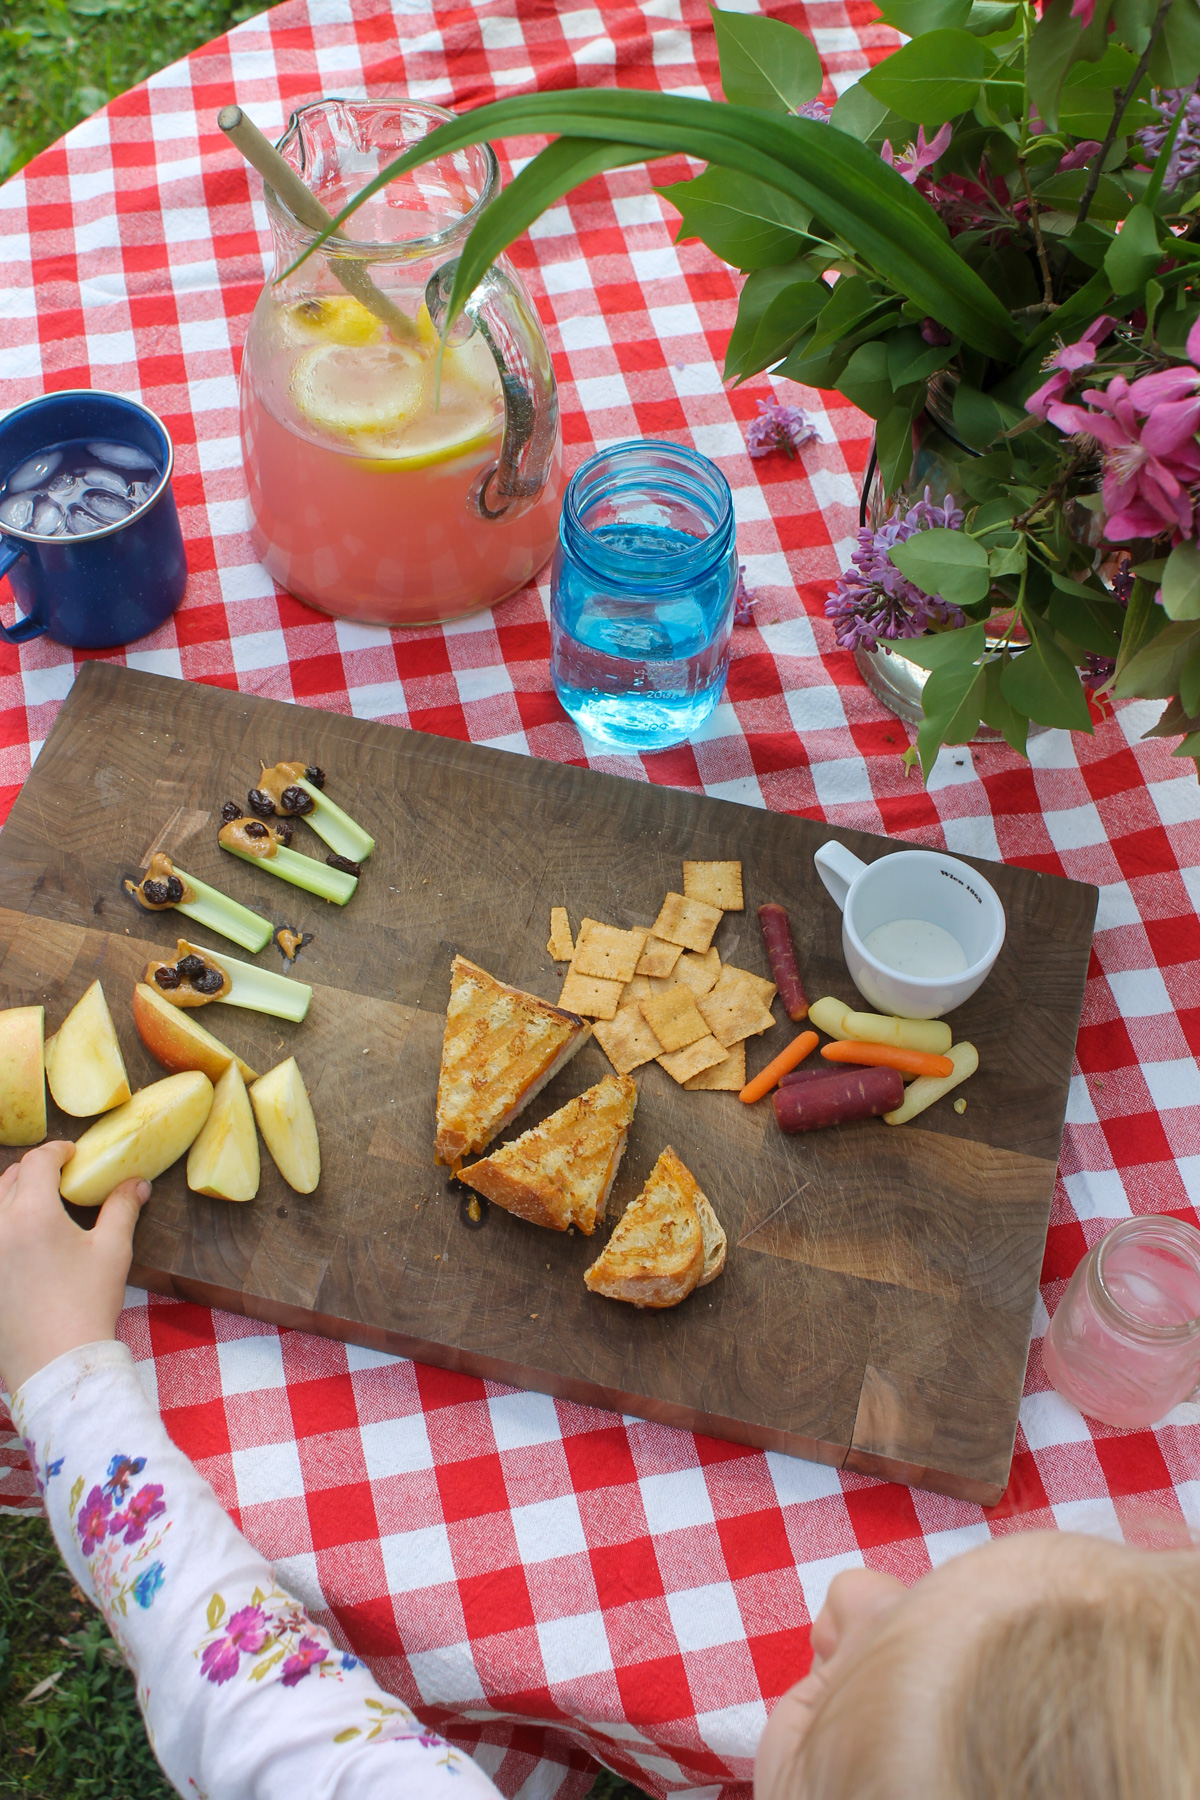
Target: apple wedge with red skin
175 1040
141 1138
84 1065
285 1118
223 1160
22 1076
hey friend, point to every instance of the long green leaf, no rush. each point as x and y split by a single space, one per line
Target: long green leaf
842 182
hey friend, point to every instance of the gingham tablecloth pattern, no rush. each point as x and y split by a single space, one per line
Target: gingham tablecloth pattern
547 1583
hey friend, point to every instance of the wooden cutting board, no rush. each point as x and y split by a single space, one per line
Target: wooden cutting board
875 1312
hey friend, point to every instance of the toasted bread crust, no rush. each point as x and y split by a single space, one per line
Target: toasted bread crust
656 1254
500 1048
716 1244
559 1173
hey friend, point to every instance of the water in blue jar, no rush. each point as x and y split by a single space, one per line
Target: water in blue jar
643 595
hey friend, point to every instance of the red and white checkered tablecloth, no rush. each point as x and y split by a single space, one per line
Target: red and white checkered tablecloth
548 1583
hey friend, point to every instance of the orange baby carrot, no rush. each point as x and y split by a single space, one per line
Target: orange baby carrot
787 1059
888 1056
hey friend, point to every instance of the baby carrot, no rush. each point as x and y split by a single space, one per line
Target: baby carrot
767 1078
888 1056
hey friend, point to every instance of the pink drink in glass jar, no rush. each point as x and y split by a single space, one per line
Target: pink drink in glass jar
1124 1342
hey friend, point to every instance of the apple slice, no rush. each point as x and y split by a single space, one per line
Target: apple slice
84 1065
223 1161
143 1137
174 1039
285 1118
22 1076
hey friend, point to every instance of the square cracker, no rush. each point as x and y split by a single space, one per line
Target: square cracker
658 957
560 946
683 1064
724 1077
716 883
734 1008
607 953
761 985
673 1019
640 988
593 998
627 1040
698 972
687 922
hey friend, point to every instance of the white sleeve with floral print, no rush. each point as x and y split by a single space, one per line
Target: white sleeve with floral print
244 1697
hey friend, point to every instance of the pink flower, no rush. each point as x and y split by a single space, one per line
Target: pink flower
1067 359
245 1634
1151 457
307 1655
146 1504
1083 10
1080 156
94 1521
743 601
779 428
919 156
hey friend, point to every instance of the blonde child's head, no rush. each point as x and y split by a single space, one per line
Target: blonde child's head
1042 1666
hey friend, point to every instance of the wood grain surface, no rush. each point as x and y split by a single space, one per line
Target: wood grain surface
875 1312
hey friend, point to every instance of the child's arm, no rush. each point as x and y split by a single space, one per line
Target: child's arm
244 1696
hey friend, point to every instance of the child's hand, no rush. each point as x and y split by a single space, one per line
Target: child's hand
60 1286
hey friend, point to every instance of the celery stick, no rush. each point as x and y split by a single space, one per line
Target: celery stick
341 833
303 872
221 914
258 990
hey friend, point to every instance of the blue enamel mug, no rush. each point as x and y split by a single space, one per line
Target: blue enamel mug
118 583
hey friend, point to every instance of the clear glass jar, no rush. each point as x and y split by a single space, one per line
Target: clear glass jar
377 493
644 585
1124 1342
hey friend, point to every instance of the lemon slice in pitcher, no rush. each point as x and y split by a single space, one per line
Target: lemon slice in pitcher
335 319
354 388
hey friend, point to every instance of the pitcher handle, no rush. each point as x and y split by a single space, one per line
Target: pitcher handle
837 867
23 629
502 315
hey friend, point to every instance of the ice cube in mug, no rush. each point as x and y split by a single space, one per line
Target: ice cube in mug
121 456
16 510
34 473
109 508
47 518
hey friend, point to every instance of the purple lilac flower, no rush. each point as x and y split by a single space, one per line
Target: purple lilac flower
146 1504
743 602
814 109
916 158
1185 157
873 600
245 1634
932 332
120 1471
308 1654
148 1584
779 428
94 1520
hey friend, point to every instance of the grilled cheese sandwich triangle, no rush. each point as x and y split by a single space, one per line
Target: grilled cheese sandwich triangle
667 1242
561 1172
500 1048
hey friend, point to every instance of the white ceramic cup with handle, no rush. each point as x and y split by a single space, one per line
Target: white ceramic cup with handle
919 885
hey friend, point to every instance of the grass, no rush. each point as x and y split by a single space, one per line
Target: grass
69 1724
60 60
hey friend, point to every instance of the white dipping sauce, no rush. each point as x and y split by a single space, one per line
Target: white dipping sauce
917 947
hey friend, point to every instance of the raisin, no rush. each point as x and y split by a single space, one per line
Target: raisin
191 966
284 830
260 803
315 776
167 977
255 830
209 981
295 801
174 889
158 893
231 811
344 863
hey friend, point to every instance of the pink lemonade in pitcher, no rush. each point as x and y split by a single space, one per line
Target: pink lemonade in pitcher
382 487
1124 1342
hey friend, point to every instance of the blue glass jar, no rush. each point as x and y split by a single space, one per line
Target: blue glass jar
641 607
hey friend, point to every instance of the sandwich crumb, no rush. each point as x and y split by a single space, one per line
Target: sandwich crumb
960 1106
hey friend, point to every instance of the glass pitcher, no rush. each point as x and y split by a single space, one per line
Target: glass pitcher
382 488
